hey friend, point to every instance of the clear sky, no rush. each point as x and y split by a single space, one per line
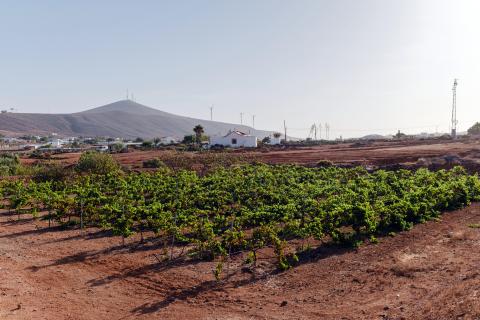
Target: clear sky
370 66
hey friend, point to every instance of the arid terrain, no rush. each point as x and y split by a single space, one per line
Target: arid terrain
436 153
429 272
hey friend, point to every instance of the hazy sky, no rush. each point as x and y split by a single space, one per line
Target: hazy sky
362 66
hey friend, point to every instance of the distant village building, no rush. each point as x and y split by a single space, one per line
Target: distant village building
101 148
57 143
235 139
275 141
168 140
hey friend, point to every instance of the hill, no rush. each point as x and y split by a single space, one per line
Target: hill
125 119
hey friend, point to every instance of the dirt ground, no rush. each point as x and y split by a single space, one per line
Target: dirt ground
366 154
381 153
430 272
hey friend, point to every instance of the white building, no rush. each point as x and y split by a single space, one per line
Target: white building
235 139
168 140
57 143
275 141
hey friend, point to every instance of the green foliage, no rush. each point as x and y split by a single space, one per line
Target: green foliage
324 164
9 164
475 129
400 135
98 163
192 138
153 163
147 144
50 172
117 147
198 129
188 139
247 207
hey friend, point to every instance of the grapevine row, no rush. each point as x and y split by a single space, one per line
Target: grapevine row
248 207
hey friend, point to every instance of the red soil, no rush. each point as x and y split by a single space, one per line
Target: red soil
430 272
379 153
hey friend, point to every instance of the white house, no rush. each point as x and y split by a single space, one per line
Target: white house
275 141
57 143
235 139
168 140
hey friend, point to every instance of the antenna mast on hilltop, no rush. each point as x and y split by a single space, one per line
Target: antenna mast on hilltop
241 117
211 113
454 109
253 121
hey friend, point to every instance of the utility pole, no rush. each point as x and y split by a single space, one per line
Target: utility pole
253 121
241 117
313 132
211 113
454 109
285 129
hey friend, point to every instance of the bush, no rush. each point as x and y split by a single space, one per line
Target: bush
99 163
117 147
51 172
147 144
324 164
475 129
153 163
9 164
37 154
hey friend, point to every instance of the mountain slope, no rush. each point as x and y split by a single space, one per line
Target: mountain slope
125 119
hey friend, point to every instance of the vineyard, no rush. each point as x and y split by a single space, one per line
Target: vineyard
245 208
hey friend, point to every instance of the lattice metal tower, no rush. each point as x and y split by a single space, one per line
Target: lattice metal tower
454 109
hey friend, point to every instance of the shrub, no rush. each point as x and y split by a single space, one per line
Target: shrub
51 172
324 164
147 144
475 129
99 163
9 164
117 147
153 163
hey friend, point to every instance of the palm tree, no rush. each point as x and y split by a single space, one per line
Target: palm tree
198 129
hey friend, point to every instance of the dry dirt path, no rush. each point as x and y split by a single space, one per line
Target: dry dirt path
430 272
